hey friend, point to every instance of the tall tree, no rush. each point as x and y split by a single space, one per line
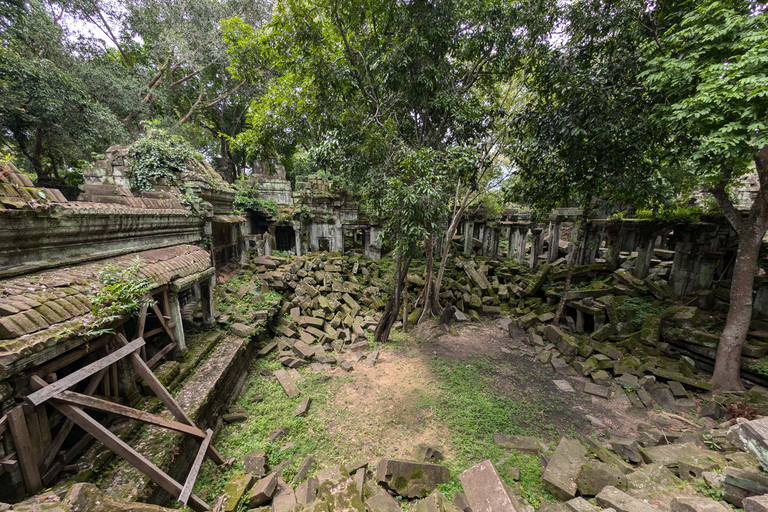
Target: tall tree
586 135
46 113
711 67
380 90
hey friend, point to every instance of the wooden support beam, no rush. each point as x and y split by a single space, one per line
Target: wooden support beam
141 368
162 353
70 357
195 469
97 404
39 397
24 450
163 322
123 450
8 463
66 428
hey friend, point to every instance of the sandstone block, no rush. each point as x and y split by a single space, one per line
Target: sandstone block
560 476
411 479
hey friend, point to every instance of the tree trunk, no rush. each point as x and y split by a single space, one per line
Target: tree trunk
575 256
429 298
751 230
391 312
726 375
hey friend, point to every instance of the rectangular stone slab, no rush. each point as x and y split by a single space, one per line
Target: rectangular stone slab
287 383
484 489
560 476
411 479
611 497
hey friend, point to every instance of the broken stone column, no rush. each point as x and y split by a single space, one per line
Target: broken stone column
373 248
522 234
690 241
495 234
469 231
297 235
614 239
533 260
644 254
554 237
206 298
178 329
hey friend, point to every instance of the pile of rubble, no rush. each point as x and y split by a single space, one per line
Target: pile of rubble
657 470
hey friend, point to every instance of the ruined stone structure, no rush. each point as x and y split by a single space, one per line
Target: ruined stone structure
51 254
309 219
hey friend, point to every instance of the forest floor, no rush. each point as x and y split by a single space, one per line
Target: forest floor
451 390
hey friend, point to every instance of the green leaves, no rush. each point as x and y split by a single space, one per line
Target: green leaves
158 155
711 68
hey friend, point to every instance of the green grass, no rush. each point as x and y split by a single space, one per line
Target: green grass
308 434
466 404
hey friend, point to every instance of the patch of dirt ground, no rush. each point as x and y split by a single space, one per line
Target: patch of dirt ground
385 410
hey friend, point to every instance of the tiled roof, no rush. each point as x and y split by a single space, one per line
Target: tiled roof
35 306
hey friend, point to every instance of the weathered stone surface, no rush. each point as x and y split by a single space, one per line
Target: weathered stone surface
594 476
428 453
627 448
621 501
435 502
284 499
411 479
302 408
238 485
525 444
560 476
255 463
671 455
263 491
241 330
581 505
306 491
382 502
342 495
86 497
484 489
739 484
753 436
287 383
701 504
755 504
303 470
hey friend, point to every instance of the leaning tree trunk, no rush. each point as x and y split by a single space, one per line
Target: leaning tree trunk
389 317
575 256
726 375
751 230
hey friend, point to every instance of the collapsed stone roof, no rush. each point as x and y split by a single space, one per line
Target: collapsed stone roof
38 310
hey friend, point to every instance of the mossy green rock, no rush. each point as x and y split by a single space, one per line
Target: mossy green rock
238 485
411 479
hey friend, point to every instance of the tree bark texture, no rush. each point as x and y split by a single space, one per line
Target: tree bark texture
391 312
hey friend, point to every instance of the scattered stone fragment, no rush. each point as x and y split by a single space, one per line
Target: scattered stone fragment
627 448
525 444
278 434
234 417
241 330
382 502
594 389
563 385
284 499
712 410
263 491
742 483
698 504
255 463
560 476
238 485
411 479
287 383
306 491
302 408
372 357
621 501
303 470
514 473
460 501
594 476
484 489
428 453
357 356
